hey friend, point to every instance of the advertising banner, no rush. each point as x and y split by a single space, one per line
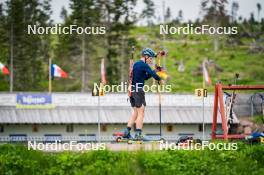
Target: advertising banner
26 100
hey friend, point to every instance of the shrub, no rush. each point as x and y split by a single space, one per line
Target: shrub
16 159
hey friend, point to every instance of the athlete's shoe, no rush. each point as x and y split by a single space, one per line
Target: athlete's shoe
139 137
127 134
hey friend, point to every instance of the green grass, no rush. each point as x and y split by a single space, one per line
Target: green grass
16 159
192 49
259 119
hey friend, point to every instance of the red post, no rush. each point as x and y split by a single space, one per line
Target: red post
222 111
219 96
243 87
215 112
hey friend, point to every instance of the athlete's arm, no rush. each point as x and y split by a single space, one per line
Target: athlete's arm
148 76
150 73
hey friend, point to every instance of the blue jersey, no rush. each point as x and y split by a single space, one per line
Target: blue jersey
142 72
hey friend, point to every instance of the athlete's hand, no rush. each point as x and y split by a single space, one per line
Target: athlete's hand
158 68
161 82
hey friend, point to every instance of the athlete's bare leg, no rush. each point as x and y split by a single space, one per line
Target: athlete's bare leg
140 117
132 118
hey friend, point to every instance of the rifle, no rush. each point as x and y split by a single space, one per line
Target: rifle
131 63
161 72
262 106
229 114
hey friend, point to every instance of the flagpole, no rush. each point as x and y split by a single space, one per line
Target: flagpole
100 92
11 77
203 97
203 74
50 85
98 119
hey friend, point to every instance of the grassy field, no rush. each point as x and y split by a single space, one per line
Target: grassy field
16 159
192 50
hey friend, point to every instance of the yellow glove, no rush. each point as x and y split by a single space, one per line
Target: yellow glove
163 75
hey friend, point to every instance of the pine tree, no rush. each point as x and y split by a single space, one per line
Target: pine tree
168 15
259 9
4 50
79 50
252 19
148 12
180 16
84 51
117 42
216 15
235 7
27 48
3 36
215 11
64 14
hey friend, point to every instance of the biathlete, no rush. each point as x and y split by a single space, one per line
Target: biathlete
141 71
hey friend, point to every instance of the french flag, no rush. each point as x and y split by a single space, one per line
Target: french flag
56 71
206 74
3 69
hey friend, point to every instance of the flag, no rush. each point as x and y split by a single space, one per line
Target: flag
207 78
3 69
56 71
103 78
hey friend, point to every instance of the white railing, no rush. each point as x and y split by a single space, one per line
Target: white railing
113 99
